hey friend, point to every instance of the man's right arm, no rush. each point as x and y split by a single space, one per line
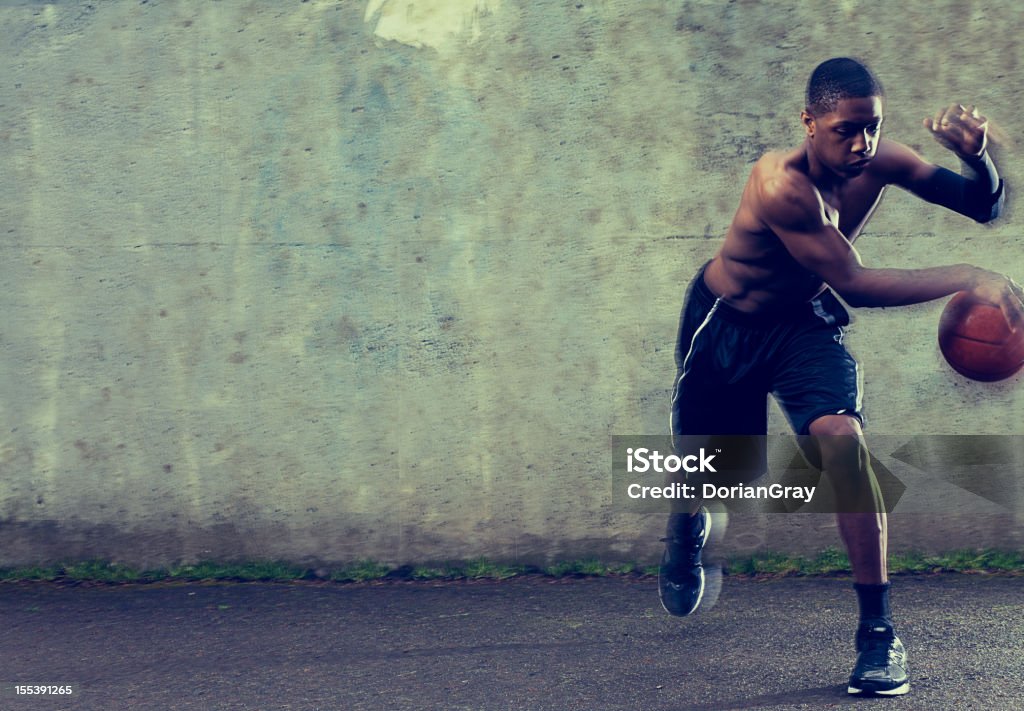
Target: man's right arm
794 211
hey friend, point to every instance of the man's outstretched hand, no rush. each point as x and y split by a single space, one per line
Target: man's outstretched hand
960 129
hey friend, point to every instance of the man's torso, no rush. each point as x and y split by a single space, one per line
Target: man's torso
753 271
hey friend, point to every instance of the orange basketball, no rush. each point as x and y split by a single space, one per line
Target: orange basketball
977 341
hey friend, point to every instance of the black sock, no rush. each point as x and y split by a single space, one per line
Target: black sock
874 602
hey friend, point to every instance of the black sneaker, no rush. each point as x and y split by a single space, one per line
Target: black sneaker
684 581
881 663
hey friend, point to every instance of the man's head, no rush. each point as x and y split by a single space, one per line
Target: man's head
840 78
843 115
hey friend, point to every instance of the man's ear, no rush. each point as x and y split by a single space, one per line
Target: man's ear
808 121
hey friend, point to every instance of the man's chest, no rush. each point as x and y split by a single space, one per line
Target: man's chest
851 209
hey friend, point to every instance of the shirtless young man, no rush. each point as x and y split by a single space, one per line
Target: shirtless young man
761 318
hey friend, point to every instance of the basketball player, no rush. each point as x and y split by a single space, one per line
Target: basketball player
761 317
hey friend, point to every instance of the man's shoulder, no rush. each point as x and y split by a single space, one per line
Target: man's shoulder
781 185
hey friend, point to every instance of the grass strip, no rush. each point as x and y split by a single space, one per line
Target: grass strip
833 562
828 562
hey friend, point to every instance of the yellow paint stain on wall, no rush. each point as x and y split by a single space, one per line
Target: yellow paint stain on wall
438 24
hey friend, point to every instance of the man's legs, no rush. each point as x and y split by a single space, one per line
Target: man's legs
816 381
861 519
687 578
881 663
710 395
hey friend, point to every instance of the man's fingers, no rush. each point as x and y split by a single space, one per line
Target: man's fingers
957 115
960 115
1014 314
1013 305
1019 299
938 124
969 115
953 117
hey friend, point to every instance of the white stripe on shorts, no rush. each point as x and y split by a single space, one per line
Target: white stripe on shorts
686 364
820 312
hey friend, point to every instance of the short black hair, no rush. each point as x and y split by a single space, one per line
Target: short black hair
840 78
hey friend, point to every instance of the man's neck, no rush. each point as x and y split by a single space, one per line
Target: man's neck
823 179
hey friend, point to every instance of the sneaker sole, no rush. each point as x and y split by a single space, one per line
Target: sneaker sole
898 691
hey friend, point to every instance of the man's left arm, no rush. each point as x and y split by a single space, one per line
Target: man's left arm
976 193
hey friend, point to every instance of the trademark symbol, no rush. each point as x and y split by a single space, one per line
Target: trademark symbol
718 450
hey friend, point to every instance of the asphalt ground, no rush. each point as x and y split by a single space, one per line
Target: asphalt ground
529 643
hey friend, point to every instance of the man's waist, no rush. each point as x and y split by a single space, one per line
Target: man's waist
822 306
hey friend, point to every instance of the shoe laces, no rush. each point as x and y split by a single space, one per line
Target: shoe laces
878 646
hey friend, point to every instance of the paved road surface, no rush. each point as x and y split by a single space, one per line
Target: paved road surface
531 643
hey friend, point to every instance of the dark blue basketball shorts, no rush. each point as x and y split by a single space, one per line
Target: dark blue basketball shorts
728 362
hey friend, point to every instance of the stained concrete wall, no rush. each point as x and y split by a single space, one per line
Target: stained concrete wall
331 280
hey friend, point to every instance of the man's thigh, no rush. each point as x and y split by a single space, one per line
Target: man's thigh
727 421
816 376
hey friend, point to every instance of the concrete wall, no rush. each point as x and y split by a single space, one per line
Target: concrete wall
329 280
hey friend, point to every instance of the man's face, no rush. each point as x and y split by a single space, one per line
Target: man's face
845 140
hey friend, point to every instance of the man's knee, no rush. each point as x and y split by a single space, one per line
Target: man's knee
827 434
838 441
836 426
845 459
